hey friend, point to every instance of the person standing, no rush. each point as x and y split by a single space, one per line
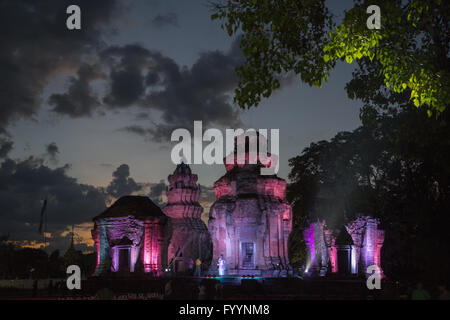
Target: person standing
198 267
191 267
221 264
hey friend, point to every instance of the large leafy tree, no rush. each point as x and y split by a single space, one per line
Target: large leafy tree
381 170
411 49
394 167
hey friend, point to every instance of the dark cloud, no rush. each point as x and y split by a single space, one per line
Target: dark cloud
6 146
162 20
199 93
134 70
126 76
40 48
156 133
23 186
36 46
152 78
79 101
182 95
122 184
52 151
157 192
126 87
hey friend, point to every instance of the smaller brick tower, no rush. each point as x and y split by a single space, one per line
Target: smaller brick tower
188 235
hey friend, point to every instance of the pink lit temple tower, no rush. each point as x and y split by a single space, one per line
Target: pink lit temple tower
130 238
188 235
250 221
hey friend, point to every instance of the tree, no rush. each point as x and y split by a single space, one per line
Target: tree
6 253
301 37
382 171
30 262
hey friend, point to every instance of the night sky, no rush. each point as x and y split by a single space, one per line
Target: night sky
86 116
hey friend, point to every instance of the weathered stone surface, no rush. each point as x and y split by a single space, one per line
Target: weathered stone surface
134 235
250 221
188 235
134 228
365 243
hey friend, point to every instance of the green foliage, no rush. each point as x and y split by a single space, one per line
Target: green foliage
409 48
278 37
284 36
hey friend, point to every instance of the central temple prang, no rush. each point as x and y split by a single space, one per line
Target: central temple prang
250 221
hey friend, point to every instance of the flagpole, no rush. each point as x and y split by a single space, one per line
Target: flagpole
45 236
43 222
45 232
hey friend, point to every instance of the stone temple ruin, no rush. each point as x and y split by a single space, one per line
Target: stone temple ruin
130 236
135 236
249 227
350 250
250 221
339 245
188 236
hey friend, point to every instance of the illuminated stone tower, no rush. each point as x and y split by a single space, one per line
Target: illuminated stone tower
188 235
250 221
130 237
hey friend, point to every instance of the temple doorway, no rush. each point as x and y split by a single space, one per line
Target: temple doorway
343 256
124 260
247 255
